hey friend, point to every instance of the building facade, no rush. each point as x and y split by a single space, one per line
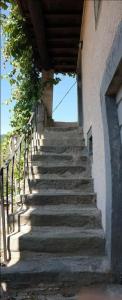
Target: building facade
100 69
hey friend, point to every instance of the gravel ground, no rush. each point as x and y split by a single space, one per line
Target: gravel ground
110 292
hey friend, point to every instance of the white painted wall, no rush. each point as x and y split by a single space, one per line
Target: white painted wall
96 48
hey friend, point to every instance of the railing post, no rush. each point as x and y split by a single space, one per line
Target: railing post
36 110
24 173
3 217
7 201
12 186
20 167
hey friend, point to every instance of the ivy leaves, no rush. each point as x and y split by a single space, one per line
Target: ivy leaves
24 76
3 4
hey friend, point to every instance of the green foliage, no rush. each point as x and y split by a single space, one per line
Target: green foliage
4 145
3 4
24 77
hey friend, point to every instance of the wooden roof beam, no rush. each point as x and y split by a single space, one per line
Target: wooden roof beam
65 19
63 32
39 30
64 52
65 69
62 42
65 58
62 5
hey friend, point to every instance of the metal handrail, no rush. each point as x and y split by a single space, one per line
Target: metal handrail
18 145
11 185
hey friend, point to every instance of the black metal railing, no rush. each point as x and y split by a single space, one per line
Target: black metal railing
15 173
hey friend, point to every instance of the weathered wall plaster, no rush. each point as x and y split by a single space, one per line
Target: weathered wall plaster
97 44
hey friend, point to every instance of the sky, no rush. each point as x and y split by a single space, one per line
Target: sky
5 95
66 112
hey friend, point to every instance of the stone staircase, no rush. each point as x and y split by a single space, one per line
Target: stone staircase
59 239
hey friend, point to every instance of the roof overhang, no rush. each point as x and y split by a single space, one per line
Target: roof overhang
53 27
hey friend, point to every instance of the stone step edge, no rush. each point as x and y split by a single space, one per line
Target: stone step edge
54 232
99 263
59 170
82 179
59 147
67 128
60 155
81 210
57 195
65 124
76 138
56 263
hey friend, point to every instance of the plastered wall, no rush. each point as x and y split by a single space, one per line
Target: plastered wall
97 44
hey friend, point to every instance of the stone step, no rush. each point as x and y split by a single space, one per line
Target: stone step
67 271
60 215
54 132
63 132
63 149
57 198
64 129
59 150
38 172
58 163
62 142
63 239
60 159
66 125
83 185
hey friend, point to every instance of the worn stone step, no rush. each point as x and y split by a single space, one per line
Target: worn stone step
60 159
66 124
66 271
54 132
62 134
57 198
83 185
38 172
62 142
63 239
63 149
51 162
60 215
59 150
64 129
